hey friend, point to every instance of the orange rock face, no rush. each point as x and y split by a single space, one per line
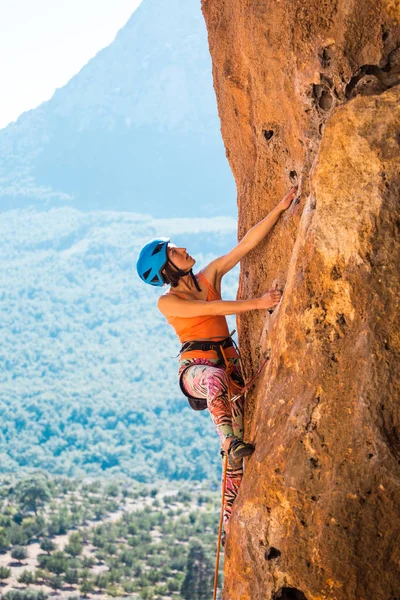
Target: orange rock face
311 89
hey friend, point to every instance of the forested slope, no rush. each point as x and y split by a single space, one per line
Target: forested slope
88 379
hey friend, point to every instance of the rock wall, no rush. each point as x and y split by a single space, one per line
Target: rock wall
310 89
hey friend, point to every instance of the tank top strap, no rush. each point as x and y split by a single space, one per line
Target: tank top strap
208 285
205 281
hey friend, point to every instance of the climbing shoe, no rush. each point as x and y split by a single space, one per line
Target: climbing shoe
237 451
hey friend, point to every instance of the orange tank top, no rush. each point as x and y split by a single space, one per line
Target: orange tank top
206 327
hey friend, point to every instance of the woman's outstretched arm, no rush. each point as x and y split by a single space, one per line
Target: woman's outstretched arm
218 267
172 306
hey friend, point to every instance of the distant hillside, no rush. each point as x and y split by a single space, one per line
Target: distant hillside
137 129
88 383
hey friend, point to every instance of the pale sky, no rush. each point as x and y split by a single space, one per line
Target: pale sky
43 43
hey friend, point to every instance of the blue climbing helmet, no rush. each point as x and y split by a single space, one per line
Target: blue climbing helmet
151 261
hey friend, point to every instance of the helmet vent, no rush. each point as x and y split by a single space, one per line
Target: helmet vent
158 249
146 274
155 279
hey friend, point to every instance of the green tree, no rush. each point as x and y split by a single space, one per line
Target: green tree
16 535
71 576
88 562
19 553
41 576
112 490
56 582
114 590
5 573
26 577
198 582
86 587
56 563
32 492
173 585
101 581
74 546
114 575
127 557
60 522
4 541
47 545
32 526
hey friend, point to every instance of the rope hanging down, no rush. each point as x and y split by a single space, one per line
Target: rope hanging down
229 368
221 518
243 390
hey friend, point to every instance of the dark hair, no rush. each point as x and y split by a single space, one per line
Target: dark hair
170 276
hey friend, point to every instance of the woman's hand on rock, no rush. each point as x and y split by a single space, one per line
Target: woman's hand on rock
270 299
288 199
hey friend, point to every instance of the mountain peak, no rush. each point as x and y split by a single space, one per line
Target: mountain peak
136 129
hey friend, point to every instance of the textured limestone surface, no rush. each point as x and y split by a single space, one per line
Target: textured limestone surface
310 89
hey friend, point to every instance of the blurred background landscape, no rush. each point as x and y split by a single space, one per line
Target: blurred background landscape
94 431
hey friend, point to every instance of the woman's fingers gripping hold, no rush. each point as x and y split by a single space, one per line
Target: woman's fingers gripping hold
288 199
270 299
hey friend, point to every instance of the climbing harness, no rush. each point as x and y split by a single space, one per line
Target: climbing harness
221 518
205 346
219 347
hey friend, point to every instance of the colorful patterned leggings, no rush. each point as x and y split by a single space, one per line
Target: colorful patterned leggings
211 382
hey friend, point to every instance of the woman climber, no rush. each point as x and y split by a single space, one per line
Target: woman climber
209 368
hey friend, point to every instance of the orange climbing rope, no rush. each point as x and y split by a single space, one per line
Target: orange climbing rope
229 369
243 390
221 518
246 387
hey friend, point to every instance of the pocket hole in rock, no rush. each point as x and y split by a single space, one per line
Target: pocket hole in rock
325 101
289 593
326 56
335 273
268 134
293 175
272 553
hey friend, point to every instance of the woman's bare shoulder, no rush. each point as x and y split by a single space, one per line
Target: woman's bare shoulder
166 300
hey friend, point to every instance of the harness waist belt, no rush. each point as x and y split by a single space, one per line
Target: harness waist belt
206 346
